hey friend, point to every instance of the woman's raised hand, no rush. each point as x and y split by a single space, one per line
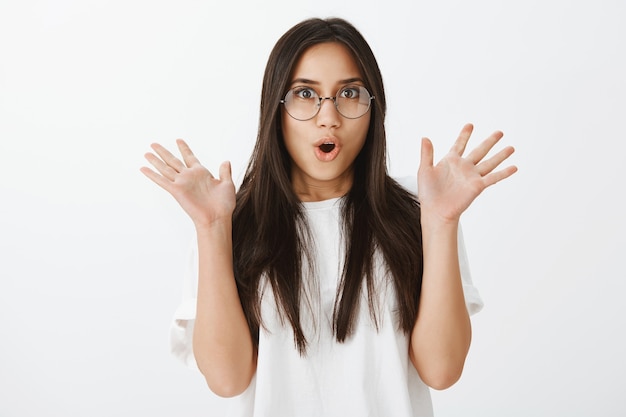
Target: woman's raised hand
448 188
203 197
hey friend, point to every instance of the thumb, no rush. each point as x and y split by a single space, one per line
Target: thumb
225 171
426 157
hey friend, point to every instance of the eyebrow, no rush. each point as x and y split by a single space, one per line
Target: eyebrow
307 81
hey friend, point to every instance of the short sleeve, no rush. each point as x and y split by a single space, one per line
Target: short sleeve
473 301
181 341
181 328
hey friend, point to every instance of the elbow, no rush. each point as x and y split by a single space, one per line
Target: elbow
225 384
226 389
442 379
439 374
225 375
226 381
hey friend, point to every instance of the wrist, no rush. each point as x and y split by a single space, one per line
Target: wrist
434 219
222 225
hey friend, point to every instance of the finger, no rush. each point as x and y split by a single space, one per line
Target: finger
497 176
188 156
477 154
156 178
165 170
225 171
492 163
168 157
427 153
461 142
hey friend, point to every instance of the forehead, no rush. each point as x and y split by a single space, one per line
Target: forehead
327 62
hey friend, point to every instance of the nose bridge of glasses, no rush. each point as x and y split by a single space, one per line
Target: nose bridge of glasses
333 101
320 99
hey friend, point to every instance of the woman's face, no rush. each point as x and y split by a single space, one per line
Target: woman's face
323 148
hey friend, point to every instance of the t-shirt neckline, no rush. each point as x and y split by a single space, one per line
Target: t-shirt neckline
323 204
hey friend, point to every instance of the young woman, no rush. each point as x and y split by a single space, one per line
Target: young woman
324 287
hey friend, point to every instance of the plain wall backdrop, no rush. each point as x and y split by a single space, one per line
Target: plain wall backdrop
92 253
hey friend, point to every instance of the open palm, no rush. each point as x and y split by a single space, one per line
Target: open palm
203 197
449 187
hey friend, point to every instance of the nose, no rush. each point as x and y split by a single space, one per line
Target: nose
328 114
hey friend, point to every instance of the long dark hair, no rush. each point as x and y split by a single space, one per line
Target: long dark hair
269 226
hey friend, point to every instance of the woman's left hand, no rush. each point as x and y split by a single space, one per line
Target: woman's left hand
448 188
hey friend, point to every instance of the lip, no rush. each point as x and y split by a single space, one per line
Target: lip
327 156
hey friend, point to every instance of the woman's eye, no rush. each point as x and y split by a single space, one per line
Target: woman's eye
350 92
304 93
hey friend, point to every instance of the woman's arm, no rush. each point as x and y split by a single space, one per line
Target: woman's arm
222 342
441 335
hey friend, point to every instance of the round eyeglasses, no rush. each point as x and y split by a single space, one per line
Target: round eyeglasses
303 103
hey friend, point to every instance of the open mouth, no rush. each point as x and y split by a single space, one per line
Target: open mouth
327 147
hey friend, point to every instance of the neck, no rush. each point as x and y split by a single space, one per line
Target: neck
309 189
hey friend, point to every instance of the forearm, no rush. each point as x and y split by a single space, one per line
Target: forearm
441 336
222 343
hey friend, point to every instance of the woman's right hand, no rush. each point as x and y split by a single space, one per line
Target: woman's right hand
204 198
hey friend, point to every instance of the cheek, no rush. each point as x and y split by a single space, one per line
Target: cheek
363 130
290 127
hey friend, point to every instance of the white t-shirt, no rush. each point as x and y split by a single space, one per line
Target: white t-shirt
369 375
